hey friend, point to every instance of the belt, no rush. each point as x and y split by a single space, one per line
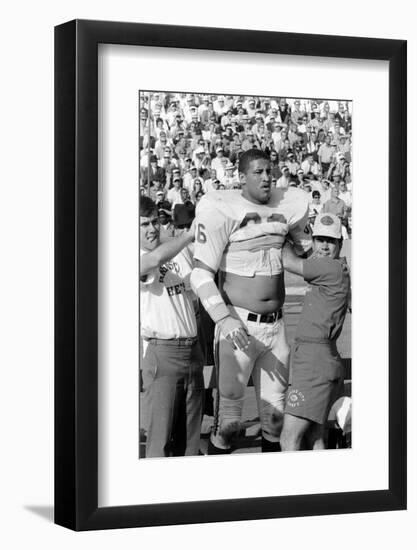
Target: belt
265 317
172 341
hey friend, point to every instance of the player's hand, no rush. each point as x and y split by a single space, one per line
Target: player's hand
235 333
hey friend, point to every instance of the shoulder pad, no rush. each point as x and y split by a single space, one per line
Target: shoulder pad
224 202
293 203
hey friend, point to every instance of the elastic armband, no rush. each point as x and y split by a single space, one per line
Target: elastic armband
202 282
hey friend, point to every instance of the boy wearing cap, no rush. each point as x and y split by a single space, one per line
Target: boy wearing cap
316 375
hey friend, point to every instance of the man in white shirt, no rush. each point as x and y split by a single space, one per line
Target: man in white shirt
174 194
172 365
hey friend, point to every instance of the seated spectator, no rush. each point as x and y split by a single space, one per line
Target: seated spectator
309 165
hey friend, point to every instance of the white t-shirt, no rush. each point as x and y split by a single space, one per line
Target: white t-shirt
166 299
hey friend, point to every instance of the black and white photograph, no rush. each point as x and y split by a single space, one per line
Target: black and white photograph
245 233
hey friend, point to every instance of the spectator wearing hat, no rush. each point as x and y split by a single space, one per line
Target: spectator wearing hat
250 106
325 155
300 178
212 183
316 371
296 112
189 177
220 107
230 180
292 163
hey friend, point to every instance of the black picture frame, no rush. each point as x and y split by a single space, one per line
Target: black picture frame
76 272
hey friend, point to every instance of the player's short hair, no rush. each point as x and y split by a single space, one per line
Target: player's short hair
248 156
147 207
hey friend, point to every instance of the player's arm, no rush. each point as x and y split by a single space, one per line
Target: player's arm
202 282
212 236
165 251
291 261
299 229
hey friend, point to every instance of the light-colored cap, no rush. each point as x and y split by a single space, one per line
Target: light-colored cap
327 225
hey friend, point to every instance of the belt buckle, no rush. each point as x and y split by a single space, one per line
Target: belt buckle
188 341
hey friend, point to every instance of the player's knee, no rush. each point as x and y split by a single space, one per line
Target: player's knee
231 393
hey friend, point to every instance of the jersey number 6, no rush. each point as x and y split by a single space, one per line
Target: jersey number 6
201 236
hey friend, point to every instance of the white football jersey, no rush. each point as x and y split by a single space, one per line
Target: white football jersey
241 237
166 300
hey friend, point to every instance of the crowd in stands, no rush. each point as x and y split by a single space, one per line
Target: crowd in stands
190 145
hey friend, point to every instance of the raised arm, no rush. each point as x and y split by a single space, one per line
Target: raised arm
165 251
292 262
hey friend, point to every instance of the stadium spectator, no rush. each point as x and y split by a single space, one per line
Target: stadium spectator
335 205
325 155
174 194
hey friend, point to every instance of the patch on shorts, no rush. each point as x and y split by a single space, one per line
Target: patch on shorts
295 398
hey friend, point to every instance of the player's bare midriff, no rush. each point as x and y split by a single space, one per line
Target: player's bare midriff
259 294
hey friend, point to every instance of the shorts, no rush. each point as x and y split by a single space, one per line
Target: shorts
316 380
